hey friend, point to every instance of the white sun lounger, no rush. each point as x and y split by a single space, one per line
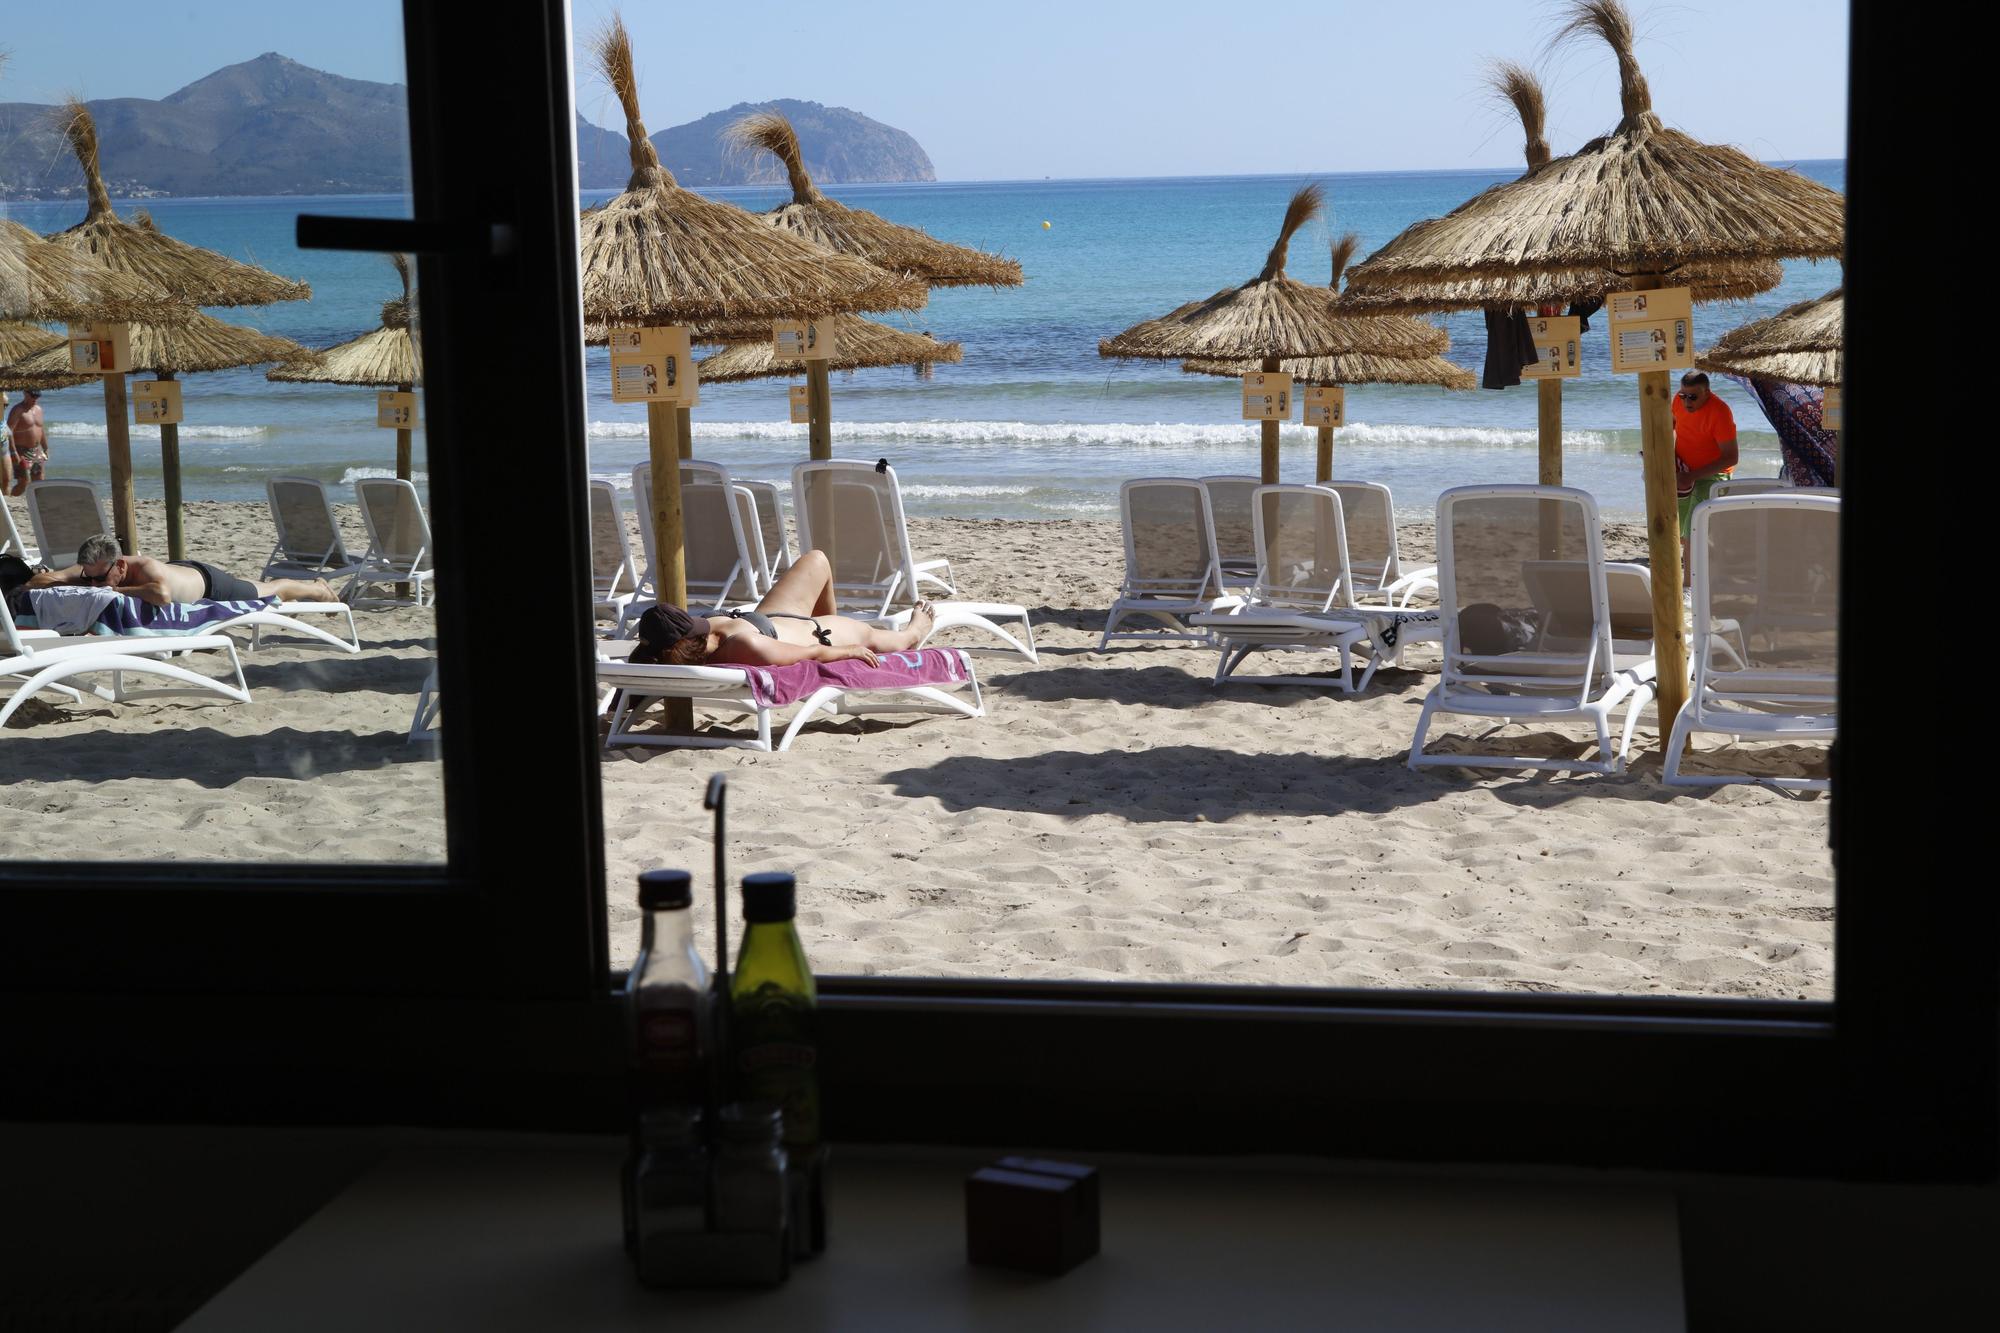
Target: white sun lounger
64 511
614 579
874 569
727 690
1766 587
1368 514
1522 639
1302 600
38 660
10 536
1171 571
424 725
308 544
399 544
1235 530
724 564
770 504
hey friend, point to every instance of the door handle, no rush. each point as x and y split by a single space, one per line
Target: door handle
477 240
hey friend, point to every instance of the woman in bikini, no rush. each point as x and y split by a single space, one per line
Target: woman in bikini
794 623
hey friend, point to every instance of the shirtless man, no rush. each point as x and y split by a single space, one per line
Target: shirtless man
28 441
100 563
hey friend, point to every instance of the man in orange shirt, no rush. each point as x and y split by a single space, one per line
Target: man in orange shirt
1704 448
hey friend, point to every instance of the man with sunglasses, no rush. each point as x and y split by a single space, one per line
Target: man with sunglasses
1704 448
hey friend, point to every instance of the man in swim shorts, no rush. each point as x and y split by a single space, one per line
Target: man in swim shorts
27 441
100 562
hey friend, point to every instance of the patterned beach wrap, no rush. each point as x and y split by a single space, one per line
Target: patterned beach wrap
65 609
1794 412
774 687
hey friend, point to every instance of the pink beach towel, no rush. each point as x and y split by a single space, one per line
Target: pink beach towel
774 687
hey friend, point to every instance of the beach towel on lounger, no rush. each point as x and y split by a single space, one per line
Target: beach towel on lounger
69 611
774 687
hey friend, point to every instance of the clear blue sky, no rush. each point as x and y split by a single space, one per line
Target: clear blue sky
1077 87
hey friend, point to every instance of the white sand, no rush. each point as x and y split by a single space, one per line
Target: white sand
1113 817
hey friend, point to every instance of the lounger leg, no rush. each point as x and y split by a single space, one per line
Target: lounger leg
818 699
1602 716
1677 743
1423 730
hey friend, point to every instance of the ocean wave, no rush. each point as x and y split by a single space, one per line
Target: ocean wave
1170 434
94 430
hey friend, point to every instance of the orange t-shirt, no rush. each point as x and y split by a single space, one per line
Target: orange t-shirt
1699 435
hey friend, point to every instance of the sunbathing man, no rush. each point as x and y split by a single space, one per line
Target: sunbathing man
794 623
100 563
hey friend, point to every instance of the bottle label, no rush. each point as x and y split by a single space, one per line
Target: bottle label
667 1037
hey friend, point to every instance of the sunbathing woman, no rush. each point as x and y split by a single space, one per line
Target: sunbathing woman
794 623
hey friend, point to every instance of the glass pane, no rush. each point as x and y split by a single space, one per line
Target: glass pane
1116 814
299 551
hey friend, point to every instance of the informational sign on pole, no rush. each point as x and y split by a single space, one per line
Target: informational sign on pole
395 410
802 339
156 403
652 366
801 403
1829 408
1267 396
100 349
1326 405
1555 338
1652 330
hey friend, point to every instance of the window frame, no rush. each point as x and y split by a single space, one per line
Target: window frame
486 999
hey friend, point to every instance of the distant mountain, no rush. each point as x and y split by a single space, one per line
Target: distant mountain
274 126
839 145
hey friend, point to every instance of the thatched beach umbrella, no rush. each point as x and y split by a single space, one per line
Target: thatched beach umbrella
865 235
1801 344
195 344
191 275
1271 318
1645 201
43 281
858 344
389 357
1357 367
659 255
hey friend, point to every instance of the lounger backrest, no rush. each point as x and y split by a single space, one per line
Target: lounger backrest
1769 566
1229 512
397 529
1745 486
719 562
853 511
642 501
770 503
1370 518
64 511
698 469
1169 538
1522 587
1301 547
611 570
10 535
303 516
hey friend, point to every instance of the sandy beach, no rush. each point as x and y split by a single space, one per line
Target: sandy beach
1113 816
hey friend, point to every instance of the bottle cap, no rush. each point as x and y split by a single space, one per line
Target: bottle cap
752 1122
770 895
665 889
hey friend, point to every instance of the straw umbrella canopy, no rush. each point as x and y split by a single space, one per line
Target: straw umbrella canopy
658 254
863 235
388 357
1270 318
40 280
195 344
190 274
1646 201
1801 344
1357 367
858 344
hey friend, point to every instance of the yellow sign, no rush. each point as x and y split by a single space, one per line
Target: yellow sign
1267 396
395 411
100 349
1555 338
1829 408
802 340
1652 330
800 402
1326 405
652 366
156 403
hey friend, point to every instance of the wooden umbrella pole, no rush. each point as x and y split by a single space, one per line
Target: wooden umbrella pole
118 436
819 403
1549 432
404 462
669 550
1663 536
684 430
170 479
1324 472
1270 433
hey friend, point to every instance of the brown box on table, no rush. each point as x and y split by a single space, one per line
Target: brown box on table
1034 1216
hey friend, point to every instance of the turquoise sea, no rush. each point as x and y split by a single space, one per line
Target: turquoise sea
1033 424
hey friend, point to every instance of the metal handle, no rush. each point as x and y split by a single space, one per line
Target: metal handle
317 231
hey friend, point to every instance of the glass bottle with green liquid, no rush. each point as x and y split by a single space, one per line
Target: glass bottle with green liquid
772 1003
